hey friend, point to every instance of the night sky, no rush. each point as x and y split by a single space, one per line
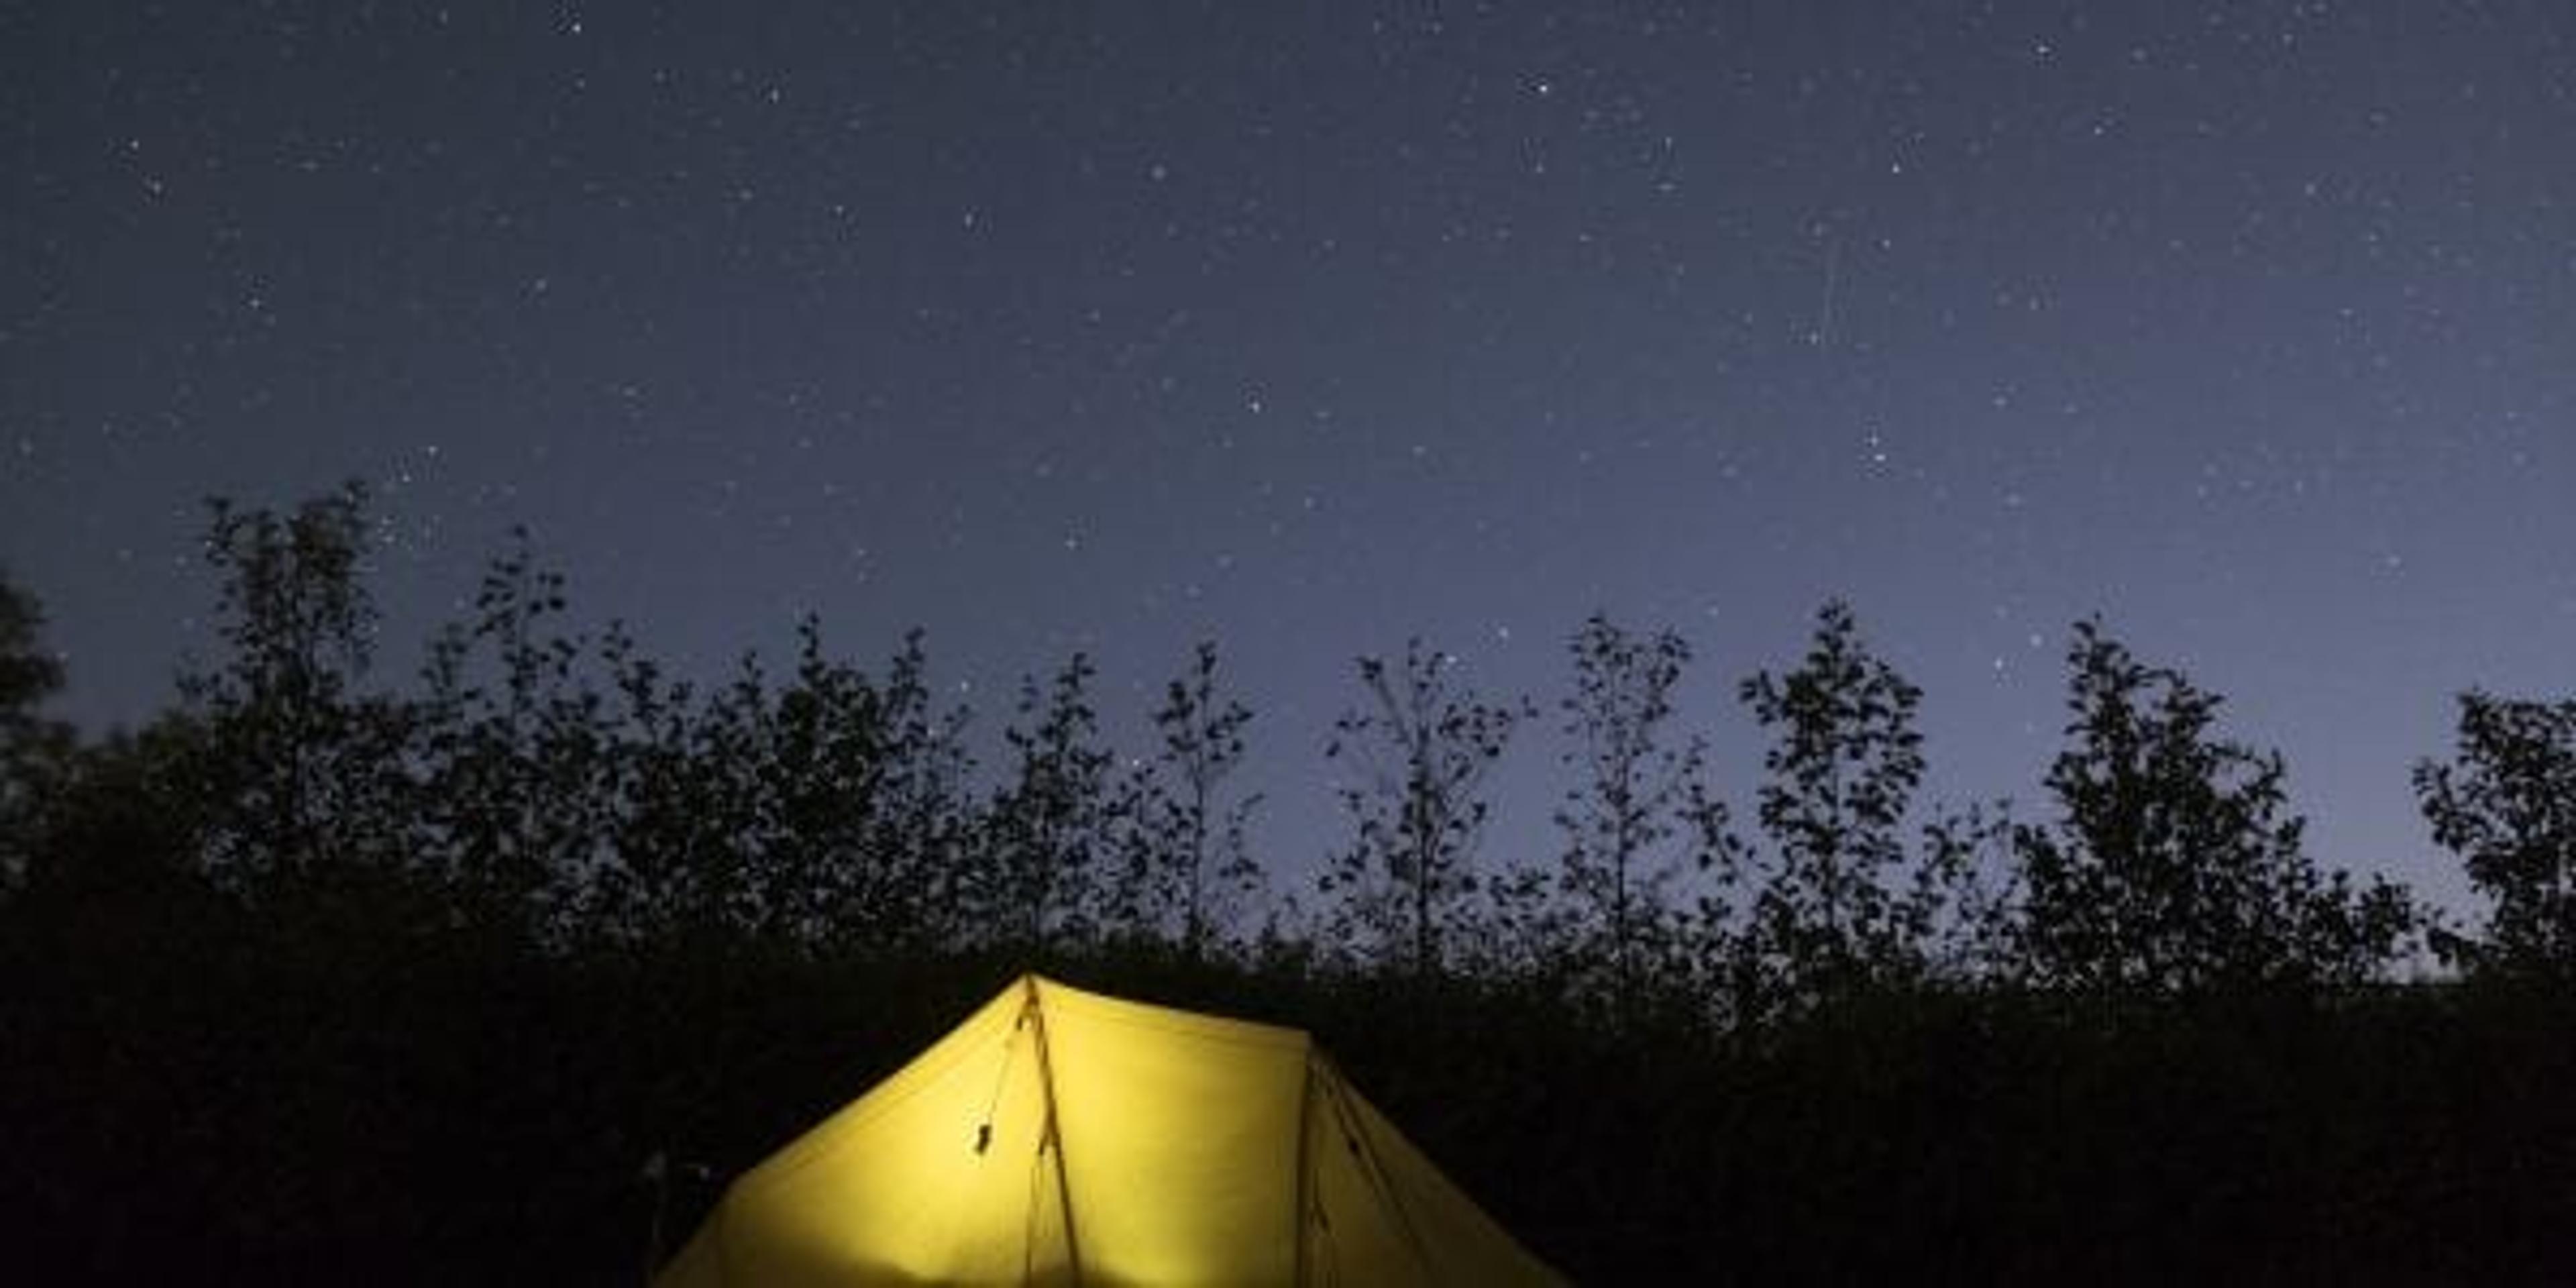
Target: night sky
1046 327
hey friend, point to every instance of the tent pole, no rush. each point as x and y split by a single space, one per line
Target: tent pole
1052 1139
1374 1169
1305 1217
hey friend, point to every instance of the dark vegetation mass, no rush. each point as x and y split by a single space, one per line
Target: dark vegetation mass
496 976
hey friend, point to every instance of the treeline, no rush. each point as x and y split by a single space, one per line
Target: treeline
501 971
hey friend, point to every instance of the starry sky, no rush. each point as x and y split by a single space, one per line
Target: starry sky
1307 327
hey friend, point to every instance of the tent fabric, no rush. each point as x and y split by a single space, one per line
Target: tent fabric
1060 1137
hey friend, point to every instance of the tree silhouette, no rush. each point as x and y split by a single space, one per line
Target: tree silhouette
918 866
34 752
2507 807
1834 912
824 786
28 674
518 802
646 889
1422 748
2176 865
1050 828
715 900
1635 794
1188 869
297 768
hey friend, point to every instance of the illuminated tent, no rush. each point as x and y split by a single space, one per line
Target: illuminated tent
1062 1137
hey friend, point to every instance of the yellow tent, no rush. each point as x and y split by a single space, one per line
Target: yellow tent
1063 1137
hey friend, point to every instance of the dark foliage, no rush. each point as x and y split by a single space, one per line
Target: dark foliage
1189 873
496 980
1836 909
2507 807
1641 814
1421 748
1051 831
33 750
2177 867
